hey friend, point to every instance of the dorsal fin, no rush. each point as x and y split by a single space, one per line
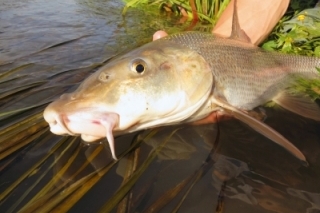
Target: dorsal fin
237 33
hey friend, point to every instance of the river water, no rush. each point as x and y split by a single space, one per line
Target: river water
48 47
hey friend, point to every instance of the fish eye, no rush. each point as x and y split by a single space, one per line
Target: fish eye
138 66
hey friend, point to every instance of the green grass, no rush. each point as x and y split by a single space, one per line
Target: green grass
300 35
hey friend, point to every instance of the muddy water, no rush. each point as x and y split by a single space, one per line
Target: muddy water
48 47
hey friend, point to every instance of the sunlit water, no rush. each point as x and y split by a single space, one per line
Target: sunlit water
46 47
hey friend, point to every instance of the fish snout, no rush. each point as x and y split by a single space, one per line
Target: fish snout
56 120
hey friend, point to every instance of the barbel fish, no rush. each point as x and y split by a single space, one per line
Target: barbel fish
183 78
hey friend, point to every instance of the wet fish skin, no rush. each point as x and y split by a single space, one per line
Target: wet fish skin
187 76
118 99
246 76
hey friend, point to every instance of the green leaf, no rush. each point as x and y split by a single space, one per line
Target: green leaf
317 51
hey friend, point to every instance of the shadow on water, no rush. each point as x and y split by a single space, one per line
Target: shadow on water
47 48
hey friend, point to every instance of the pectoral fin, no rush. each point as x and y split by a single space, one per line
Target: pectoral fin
299 104
270 133
263 129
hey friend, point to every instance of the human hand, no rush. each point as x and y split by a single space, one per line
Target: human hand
159 34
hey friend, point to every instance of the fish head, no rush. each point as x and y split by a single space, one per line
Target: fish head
158 84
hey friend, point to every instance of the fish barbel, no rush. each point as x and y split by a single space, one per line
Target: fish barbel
183 78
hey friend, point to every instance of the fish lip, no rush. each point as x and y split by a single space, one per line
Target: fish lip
61 120
58 125
109 121
71 122
89 139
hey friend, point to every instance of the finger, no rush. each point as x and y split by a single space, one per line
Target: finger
159 34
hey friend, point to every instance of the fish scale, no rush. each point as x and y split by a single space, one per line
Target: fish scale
245 75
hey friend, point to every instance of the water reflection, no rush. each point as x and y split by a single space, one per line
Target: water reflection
49 47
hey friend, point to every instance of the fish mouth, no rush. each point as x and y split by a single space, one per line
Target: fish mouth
91 126
58 126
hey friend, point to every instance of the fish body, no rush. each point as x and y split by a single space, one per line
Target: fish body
246 76
180 78
183 78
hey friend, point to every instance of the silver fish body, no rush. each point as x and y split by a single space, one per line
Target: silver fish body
179 78
246 76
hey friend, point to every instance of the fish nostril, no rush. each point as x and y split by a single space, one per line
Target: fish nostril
54 122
